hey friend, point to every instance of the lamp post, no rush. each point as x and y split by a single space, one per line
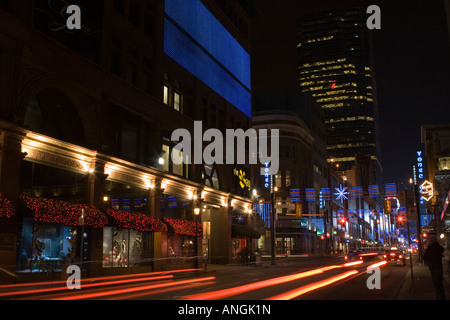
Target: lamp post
197 213
272 225
81 223
410 251
416 199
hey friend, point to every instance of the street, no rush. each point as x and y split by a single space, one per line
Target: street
318 278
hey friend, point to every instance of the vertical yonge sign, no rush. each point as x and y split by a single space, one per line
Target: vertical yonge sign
420 164
420 171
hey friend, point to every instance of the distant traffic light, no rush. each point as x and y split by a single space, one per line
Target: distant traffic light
424 235
401 219
387 206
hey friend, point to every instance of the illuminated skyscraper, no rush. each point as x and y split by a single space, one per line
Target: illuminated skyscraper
335 66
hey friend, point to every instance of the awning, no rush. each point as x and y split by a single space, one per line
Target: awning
242 231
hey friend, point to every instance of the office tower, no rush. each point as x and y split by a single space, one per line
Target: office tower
335 66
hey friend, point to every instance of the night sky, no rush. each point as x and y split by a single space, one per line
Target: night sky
412 67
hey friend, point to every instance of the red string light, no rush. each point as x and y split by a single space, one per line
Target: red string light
184 227
51 210
57 211
137 221
6 208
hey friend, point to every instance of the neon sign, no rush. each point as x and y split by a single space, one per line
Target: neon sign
243 181
427 191
420 164
267 178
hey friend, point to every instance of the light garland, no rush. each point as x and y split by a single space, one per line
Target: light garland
57 211
50 210
6 208
184 227
137 221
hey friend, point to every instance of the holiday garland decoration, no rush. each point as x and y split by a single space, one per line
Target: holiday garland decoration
57 211
137 221
184 227
51 210
6 208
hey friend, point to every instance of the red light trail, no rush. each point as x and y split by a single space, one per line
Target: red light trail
113 280
313 286
134 289
220 294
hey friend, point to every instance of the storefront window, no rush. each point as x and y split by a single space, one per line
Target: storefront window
126 247
44 246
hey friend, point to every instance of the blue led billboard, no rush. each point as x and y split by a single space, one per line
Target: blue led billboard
195 39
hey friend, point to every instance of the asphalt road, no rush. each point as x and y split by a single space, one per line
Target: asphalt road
330 278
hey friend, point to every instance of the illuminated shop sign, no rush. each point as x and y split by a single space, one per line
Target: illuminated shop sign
244 183
419 165
426 190
267 177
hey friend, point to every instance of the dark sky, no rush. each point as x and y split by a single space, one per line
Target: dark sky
412 66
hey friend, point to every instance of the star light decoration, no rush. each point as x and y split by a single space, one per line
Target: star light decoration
341 193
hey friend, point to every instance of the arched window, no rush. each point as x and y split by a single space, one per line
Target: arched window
51 113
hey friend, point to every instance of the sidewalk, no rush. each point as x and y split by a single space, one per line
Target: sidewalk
422 288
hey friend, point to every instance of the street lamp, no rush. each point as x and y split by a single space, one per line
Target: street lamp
197 213
410 249
81 221
416 198
272 226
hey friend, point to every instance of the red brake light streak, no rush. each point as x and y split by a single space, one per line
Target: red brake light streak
134 289
220 294
313 286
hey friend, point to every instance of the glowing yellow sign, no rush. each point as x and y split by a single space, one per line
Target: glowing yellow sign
243 181
426 189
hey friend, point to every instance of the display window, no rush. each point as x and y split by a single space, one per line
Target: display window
45 246
126 247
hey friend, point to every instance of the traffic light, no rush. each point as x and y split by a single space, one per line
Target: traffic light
424 235
401 219
298 209
387 206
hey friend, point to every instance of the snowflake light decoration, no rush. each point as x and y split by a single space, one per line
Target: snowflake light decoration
341 193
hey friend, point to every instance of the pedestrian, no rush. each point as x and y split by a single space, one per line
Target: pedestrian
433 257
447 259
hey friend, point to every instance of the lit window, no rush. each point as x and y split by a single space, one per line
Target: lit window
165 156
166 95
177 156
176 101
278 179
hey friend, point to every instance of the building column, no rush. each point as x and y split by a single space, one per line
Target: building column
95 182
95 185
159 238
10 160
220 242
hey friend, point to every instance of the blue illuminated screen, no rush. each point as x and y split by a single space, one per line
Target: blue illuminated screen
195 39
